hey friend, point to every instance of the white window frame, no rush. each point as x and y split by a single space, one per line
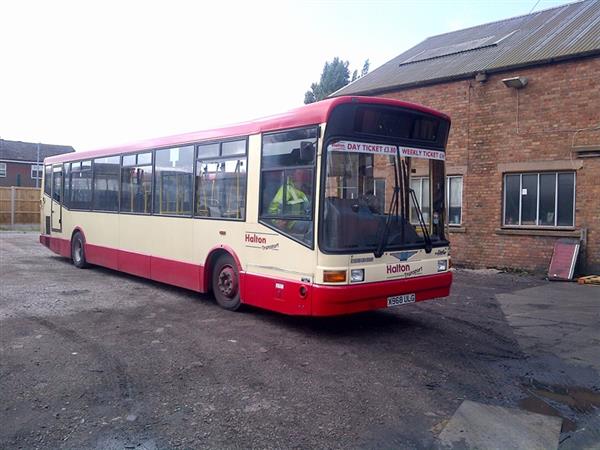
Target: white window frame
462 210
422 179
39 168
2 169
537 218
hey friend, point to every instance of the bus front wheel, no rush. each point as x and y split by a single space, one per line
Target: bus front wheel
226 283
78 251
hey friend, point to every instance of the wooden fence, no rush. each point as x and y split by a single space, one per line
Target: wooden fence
19 205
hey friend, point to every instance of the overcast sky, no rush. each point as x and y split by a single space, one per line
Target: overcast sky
96 73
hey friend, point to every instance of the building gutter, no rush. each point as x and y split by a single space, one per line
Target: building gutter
18 161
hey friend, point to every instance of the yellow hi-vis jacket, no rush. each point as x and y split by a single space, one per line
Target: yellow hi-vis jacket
294 198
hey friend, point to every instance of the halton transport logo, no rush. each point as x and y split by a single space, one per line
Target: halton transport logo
260 240
402 270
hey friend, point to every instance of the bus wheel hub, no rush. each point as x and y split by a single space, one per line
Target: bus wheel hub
227 282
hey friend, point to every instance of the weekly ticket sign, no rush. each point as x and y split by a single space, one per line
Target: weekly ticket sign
411 152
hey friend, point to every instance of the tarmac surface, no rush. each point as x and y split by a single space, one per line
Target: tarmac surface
98 359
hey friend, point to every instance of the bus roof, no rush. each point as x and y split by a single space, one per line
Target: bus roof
311 114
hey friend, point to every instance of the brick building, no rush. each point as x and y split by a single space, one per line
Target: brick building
523 159
19 161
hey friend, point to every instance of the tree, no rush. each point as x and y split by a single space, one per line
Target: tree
365 69
335 76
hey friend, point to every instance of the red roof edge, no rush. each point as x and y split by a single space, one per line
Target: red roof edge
311 114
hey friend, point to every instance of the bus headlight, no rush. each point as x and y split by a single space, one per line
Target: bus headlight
442 265
357 275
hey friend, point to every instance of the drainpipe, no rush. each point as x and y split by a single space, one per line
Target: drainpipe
37 167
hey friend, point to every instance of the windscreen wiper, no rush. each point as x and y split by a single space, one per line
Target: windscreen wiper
413 196
393 207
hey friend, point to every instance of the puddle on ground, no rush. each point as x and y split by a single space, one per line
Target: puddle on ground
535 405
579 399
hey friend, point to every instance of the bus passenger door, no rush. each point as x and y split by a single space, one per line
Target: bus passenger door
56 202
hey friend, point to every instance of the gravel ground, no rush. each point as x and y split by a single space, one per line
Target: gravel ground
98 359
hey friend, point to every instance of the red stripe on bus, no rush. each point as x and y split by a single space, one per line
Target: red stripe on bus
335 300
276 294
135 263
177 273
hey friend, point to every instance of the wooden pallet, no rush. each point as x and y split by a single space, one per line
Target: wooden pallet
591 279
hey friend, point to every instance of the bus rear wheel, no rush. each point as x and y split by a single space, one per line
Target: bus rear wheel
78 251
226 283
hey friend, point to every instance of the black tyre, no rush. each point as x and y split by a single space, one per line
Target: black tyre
78 251
226 283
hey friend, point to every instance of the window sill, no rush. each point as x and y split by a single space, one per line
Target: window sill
538 232
457 229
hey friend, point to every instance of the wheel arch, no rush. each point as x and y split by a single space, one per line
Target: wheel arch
78 229
211 259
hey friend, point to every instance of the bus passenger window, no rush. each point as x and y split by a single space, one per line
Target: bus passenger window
57 184
106 184
67 185
48 180
174 169
287 183
136 183
81 185
221 180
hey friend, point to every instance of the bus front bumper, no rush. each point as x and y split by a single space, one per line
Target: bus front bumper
328 300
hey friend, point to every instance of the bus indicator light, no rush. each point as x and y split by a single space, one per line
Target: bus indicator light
334 276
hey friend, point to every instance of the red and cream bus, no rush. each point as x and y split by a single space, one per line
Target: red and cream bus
332 208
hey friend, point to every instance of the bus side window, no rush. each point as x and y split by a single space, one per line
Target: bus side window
136 183
287 183
221 180
66 184
57 184
81 185
106 184
174 170
48 180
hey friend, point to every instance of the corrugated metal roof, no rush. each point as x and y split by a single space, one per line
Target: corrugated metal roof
559 33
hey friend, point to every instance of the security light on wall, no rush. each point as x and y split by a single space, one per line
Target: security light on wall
515 82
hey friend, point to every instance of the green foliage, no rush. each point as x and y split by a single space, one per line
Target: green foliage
365 69
335 76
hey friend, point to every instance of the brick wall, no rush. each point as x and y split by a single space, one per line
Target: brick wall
489 138
18 172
